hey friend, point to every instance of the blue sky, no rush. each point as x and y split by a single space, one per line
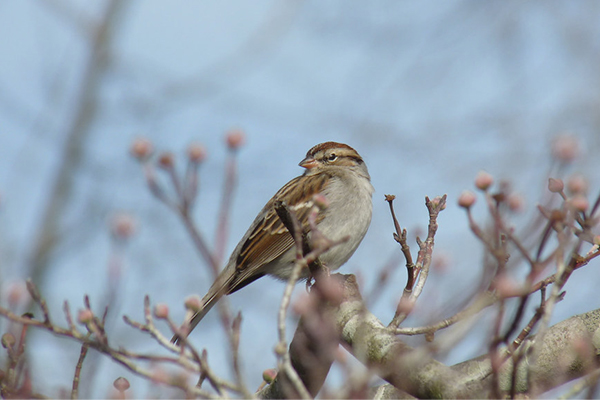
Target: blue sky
429 94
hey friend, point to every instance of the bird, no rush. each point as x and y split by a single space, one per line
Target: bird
333 170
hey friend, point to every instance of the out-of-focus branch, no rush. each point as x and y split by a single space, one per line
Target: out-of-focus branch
311 351
235 139
181 199
79 128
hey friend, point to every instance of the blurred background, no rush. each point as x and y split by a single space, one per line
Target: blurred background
429 93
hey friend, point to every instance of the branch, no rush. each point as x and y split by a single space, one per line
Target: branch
410 297
312 350
416 372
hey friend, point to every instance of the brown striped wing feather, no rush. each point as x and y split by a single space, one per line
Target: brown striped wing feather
270 238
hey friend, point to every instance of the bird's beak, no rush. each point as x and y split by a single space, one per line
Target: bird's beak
308 163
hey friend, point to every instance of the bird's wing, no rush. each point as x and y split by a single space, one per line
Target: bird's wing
269 238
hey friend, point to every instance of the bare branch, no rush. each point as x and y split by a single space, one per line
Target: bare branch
75 387
410 297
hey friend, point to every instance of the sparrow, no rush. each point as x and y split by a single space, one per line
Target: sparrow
334 170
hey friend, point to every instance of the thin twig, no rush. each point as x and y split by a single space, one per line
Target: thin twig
484 300
225 209
75 387
118 356
282 350
408 300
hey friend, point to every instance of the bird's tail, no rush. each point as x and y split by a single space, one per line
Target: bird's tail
216 291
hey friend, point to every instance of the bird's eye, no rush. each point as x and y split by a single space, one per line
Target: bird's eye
332 157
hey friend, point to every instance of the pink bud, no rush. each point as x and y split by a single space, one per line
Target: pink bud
235 139
85 316
466 199
436 201
141 149
440 262
166 160
516 202
193 303
577 184
121 384
196 153
123 225
161 311
555 185
269 375
565 148
159 375
483 180
579 202
17 292
507 287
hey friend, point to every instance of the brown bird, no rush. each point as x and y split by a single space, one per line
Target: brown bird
334 170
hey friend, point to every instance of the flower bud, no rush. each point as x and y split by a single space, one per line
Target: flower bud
280 349
193 303
235 139
565 148
440 262
85 316
269 375
122 225
141 149
159 375
166 160
121 384
8 340
555 185
579 202
196 153
466 199
17 292
161 311
507 287
436 201
577 184
483 180
515 202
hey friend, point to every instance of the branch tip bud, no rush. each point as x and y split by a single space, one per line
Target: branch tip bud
235 139
166 160
161 311
196 153
121 384
466 199
8 340
85 316
565 148
483 180
141 149
193 303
